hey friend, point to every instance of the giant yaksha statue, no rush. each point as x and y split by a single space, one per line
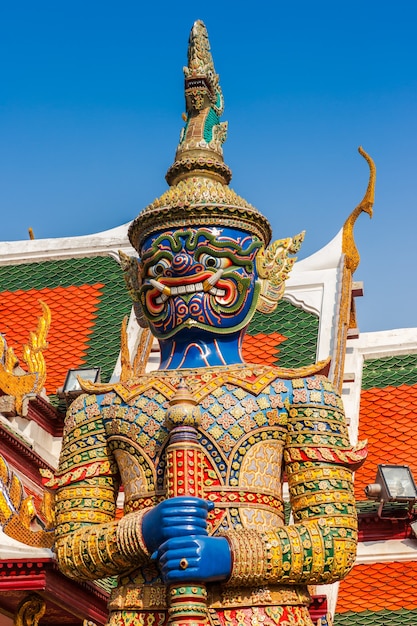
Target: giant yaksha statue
201 446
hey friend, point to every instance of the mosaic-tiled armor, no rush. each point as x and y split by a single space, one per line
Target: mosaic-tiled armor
204 267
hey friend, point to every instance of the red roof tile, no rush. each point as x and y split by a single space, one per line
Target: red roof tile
262 348
73 311
388 419
378 586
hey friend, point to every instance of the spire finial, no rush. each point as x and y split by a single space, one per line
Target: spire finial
200 148
365 206
199 192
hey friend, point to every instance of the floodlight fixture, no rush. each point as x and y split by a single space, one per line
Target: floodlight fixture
72 388
393 483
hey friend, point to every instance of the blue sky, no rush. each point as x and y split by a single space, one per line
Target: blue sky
91 96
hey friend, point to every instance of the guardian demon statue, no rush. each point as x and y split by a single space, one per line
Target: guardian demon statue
201 446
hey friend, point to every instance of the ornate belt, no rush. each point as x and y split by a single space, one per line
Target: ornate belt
225 497
154 598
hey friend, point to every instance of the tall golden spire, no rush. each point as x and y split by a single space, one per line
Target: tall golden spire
199 193
200 147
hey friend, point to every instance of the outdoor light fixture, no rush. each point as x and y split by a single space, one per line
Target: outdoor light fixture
72 387
87 373
393 483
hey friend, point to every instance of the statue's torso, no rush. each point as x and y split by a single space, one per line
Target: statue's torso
242 434
245 427
244 416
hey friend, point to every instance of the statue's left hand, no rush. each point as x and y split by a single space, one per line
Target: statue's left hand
195 559
180 516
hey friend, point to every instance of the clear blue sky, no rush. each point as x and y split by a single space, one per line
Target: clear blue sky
91 96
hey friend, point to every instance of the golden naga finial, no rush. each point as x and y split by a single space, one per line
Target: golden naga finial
274 266
349 248
130 370
16 382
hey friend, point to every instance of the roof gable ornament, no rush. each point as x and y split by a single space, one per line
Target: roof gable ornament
365 206
16 383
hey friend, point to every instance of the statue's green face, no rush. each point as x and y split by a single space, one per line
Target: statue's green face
199 278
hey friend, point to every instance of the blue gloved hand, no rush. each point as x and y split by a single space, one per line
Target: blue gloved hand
195 559
175 517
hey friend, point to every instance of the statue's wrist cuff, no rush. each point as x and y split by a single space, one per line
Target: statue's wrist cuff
248 557
129 535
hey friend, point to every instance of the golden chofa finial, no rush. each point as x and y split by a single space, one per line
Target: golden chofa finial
200 149
349 248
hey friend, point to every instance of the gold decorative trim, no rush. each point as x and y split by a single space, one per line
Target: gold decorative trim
264 376
14 381
347 314
154 598
17 511
349 248
131 370
274 266
30 611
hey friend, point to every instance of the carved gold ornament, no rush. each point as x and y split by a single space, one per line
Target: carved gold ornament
18 512
30 611
274 266
365 206
133 369
14 381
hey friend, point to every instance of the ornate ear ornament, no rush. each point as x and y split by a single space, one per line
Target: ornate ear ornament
274 266
131 267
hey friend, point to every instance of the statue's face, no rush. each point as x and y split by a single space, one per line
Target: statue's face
199 278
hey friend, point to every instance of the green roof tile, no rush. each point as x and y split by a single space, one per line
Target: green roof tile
370 507
402 617
113 305
390 371
300 329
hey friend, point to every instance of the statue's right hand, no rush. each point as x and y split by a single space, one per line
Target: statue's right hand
175 517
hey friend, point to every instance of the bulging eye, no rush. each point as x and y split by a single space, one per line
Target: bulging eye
214 262
159 268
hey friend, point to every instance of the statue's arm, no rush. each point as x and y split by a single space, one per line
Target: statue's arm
90 542
320 546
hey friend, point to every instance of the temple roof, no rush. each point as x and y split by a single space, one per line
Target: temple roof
381 594
388 415
88 300
380 589
294 345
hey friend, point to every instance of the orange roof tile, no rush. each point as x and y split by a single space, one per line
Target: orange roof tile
378 586
388 419
262 348
73 311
